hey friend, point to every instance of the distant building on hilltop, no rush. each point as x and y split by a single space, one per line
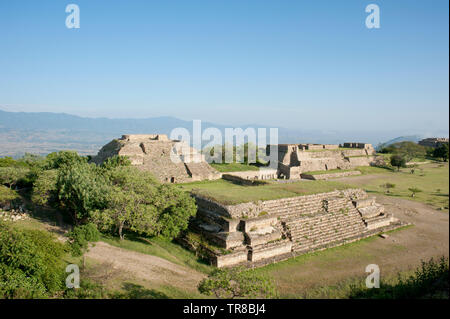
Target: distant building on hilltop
433 141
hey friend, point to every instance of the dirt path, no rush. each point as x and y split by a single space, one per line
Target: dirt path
402 250
145 267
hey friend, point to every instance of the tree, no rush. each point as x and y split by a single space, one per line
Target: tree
387 187
80 236
82 189
129 203
441 152
64 158
414 191
406 149
10 176
237 283
398 161
176 207
45 187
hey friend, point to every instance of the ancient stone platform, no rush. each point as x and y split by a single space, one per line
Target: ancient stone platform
267 231
171 161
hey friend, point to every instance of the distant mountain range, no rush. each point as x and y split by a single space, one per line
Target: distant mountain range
44 132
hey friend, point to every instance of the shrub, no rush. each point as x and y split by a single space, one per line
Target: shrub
44 187
7 195
59 159
80 237
30 263
430 280
237 283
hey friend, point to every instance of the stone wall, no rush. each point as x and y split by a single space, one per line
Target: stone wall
269 230
317 177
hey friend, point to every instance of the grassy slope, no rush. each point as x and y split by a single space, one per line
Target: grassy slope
228 193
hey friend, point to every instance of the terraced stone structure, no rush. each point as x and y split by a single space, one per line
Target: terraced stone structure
168 160
255 234
295 159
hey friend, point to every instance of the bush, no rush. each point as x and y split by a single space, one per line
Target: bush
237 283
44 187
7 196
59 159
80 237
30 263
430 280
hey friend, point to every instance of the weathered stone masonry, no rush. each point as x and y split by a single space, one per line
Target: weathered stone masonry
171 161
267 231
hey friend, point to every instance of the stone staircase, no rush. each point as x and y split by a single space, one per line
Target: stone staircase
372 214
311 232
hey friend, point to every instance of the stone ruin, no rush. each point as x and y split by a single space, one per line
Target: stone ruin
171 161
433 141
255 234
295 159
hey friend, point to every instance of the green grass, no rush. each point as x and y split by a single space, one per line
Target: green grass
228 193
432 179
161 248
234 167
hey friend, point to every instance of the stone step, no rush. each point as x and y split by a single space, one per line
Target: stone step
371 211
378 221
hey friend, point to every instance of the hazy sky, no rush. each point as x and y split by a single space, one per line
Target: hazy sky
297 64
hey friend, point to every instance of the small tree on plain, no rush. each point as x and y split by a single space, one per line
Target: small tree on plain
414 191
387 187
398 161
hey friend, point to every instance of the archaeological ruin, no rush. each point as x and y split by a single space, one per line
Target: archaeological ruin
258 233
265 231
170 161
296 159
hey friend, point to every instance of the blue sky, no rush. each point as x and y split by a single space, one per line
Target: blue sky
296 64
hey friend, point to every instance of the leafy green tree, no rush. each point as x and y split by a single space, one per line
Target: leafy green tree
82 189
80 236
388 187
398 161
237 283
175 207
30 263
64 158
414 191
11 176
45 187
129 203
7 195
406 149
441 152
